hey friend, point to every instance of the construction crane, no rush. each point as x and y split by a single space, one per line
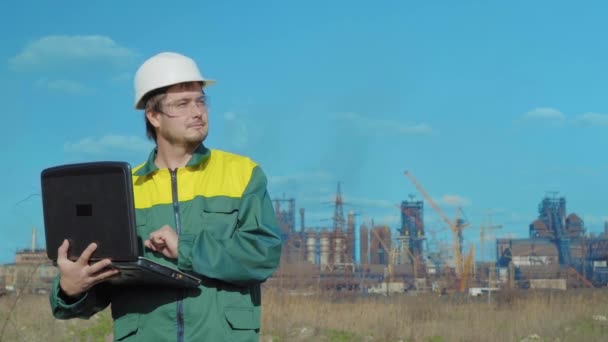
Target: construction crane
482 234
456 226
398 256
391 256
440 246
468 271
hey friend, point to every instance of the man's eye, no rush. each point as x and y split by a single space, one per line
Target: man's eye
181 104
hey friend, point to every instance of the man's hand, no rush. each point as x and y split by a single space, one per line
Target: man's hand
78 276
164 241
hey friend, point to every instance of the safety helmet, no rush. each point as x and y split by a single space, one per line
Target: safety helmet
162 70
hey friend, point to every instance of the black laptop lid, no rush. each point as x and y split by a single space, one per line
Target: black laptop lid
90 202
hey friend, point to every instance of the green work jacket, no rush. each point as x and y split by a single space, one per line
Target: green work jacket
228 235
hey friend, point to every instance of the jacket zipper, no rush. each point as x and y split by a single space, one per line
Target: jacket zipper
178 229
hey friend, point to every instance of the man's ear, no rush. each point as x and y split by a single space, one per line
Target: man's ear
153 118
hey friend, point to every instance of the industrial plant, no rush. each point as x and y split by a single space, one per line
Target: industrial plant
31 272
364 257
370 258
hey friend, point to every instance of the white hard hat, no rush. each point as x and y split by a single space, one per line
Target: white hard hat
162 70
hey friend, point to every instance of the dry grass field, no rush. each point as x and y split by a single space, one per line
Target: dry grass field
511 316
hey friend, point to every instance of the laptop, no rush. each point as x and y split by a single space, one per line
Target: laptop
93 202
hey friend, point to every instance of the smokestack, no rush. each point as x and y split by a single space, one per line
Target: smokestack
33 239
324 245
364 244
311 242
349 248
302 225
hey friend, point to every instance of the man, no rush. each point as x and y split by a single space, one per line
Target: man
206 211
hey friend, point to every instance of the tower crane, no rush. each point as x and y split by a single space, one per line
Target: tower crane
468 271
482 233
456 226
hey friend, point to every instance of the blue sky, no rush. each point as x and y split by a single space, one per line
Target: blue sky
490 104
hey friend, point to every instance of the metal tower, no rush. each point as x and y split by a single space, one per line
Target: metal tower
338 219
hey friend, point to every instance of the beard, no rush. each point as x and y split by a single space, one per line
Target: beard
190 141
192 144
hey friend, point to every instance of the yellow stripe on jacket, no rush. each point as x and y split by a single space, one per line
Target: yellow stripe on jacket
221 174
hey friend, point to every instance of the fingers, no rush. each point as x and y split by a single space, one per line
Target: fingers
163 240
157 237
157 240
86 254
103 276
162 233
62 251
99 266
149 244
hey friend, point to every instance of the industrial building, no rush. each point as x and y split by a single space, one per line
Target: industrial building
370 257
557 249
347 256
31 272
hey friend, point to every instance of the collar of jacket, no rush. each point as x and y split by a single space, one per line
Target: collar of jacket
200 154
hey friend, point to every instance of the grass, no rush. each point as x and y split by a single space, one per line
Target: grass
512 316
31 320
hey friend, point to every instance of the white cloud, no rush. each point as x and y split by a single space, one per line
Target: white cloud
64 86
544 114
236 129
62 51
594 119
385 126
455 200
554 116
108 143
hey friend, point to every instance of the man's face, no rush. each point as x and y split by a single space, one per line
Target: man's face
183 119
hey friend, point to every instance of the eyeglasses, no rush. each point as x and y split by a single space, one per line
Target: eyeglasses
183 107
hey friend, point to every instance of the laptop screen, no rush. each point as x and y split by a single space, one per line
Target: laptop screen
90 202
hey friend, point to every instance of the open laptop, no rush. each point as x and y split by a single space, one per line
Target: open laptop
93 202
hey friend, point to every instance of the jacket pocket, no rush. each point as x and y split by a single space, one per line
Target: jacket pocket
220 220
241 319
125 327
